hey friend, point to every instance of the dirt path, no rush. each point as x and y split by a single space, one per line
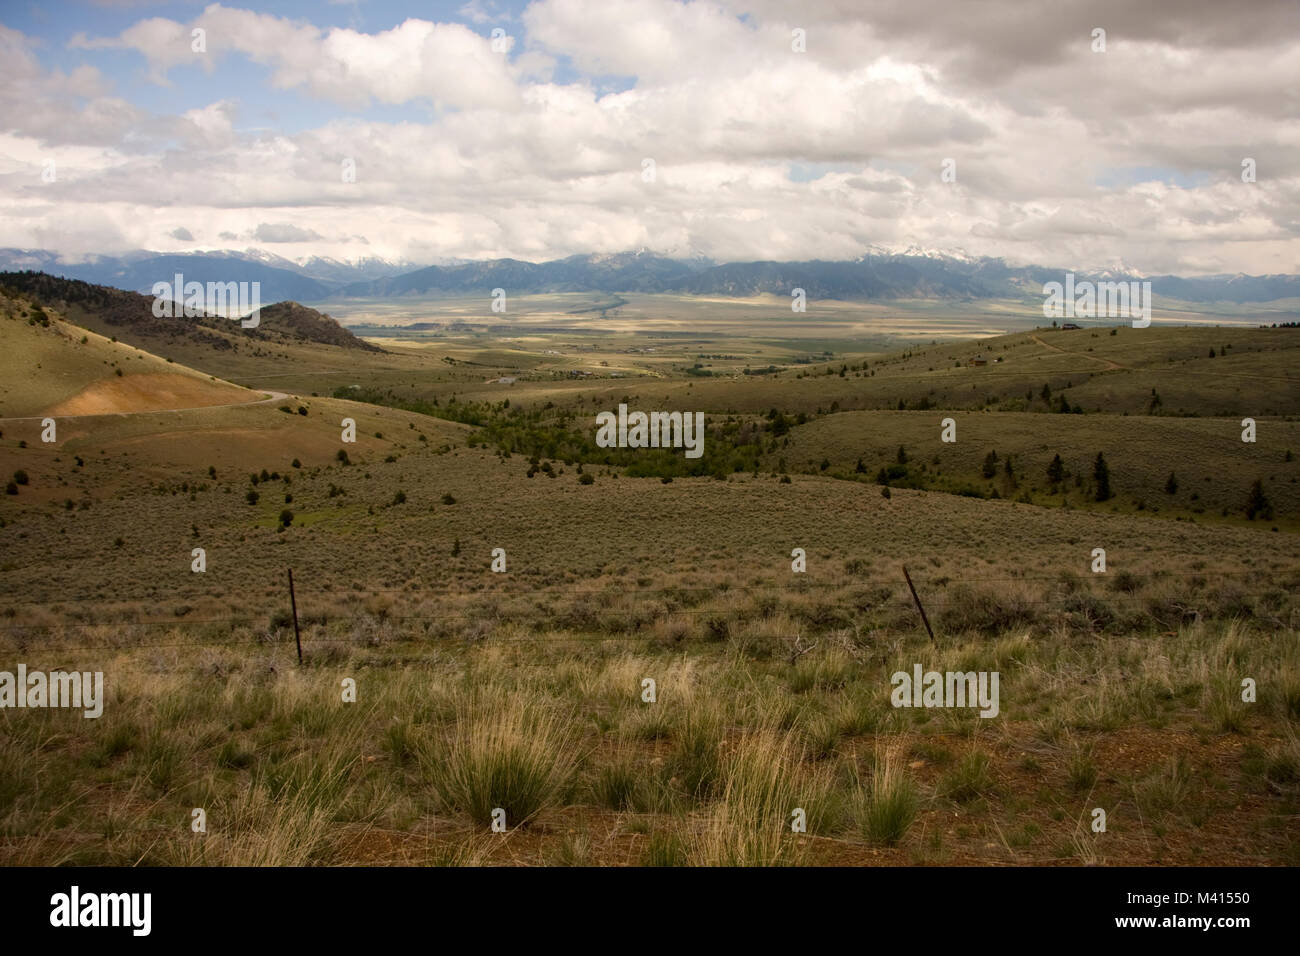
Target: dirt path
272 397
1110 366
1115 366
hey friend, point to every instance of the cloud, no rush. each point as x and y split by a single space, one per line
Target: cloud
73 108
484 11
164 43
283 232
759 151
447 64
181 233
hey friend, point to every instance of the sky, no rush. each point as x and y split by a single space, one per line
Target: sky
734 130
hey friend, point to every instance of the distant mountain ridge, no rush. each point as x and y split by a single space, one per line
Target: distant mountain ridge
280 278
878 275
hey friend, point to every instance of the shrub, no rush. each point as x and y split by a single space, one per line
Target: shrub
695 763
1101 476
665 849
1166 788
1088 612
508 755
619 786
1126 581
1257 502
990 466
989 612
750 825
888 805
969 779
1081 770
1056 470
20 477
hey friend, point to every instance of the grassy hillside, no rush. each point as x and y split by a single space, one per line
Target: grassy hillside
49 366
1213 468
125 416
1121 689
288 335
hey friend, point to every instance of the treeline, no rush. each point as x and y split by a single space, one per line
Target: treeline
731 445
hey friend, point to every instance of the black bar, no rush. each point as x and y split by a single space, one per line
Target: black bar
917 599
998 905
293 602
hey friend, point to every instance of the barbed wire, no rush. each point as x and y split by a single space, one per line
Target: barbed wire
1063 576
1187 615
1110 597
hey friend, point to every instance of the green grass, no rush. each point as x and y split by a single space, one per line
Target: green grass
888 804
500 756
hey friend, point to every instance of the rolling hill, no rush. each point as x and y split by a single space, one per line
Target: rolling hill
219 345
125 415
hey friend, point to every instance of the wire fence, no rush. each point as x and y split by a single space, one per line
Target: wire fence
522 607
941 580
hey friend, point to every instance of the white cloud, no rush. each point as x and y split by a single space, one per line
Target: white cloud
1050 140
283 232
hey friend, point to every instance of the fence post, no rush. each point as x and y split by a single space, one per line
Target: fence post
915 598
293 602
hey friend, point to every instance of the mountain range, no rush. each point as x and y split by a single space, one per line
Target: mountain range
913 274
